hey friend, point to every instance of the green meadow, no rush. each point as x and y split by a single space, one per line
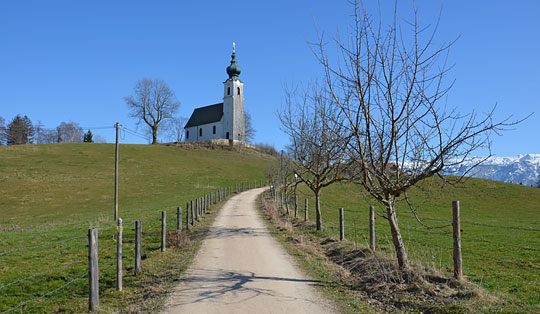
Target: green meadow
56 192
50 195
500 225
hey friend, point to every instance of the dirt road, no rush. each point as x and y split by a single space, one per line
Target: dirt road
242 269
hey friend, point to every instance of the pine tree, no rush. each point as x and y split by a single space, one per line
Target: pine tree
20 131
88 137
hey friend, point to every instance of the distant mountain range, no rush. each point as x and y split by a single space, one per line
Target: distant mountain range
522 169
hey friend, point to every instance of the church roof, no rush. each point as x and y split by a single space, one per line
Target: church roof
205 115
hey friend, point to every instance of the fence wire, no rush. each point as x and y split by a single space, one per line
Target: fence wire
41 245
500 227
46 294
40 273
506 245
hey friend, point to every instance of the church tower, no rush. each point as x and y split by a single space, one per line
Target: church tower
233 103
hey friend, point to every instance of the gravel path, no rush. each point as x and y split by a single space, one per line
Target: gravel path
242 269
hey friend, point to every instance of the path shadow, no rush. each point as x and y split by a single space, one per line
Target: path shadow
225 232
212 284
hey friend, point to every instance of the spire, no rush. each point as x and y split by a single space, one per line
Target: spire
234 69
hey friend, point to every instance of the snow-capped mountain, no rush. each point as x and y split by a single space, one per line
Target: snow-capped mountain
523 169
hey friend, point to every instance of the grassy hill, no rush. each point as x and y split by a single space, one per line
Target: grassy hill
500 232
54 192
57 191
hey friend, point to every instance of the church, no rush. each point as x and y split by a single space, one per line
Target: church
224 120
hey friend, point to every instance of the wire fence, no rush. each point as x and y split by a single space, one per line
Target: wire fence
488 250
106 252
40 245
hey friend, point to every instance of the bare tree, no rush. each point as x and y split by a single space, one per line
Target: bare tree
153 103
43 135
176 128
317 146
249 129
388 85
99 139
69 132
3 131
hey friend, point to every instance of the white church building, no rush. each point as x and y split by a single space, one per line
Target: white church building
223 120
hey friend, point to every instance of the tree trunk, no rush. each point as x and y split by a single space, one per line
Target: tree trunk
318 209
401 252
154 135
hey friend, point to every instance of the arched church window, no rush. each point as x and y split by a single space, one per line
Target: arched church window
228 90
227 136
214 129
238 88
187 135
200 132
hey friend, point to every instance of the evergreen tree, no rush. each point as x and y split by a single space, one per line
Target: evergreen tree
88 137
20 131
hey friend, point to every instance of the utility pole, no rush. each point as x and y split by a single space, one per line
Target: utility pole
117 125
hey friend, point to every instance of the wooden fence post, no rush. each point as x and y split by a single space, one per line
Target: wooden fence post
192 213
295 206
341 225
179 219
93 270
306 211
187 216
138 240
456 224
372 228
163 230
197 208
201 206
119 255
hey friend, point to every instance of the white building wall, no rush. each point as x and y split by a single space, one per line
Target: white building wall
207 132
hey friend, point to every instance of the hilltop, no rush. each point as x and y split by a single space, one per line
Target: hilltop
59 182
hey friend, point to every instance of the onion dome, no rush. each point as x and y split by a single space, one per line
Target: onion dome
234 69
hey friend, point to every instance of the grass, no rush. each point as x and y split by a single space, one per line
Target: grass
500 233
55 192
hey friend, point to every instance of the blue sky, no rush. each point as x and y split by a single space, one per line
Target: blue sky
75 60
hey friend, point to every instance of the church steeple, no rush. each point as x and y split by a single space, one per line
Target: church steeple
233 69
